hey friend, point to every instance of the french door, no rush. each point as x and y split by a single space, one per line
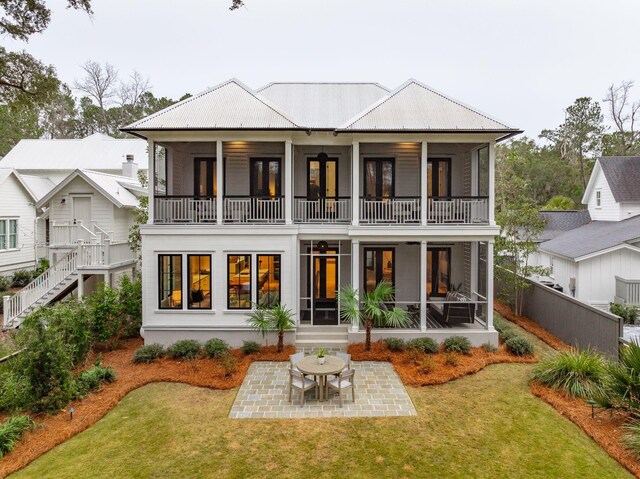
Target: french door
379 179
325 280
322 180
205 180
265 178
379 266
438 271
439 177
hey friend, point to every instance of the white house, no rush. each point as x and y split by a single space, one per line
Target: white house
19 194
290 191
598 261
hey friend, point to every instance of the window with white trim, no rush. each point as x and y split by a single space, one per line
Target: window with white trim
598 198
8 234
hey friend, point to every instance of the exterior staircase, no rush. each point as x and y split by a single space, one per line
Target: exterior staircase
332 338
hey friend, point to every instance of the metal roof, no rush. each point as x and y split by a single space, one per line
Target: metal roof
118 189
557 222
323 105
417 107
593 237
38 185
230 105
623 175
95 152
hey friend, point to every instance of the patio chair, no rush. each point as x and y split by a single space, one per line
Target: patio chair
347 361
294 358
298 380
343 382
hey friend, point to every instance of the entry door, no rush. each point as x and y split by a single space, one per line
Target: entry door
325 280
439 174
265 177
323 178
438 271
379 266
205 181
379 179
81 210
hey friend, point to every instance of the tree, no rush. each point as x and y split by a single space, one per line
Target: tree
100 84
559 203
623 112
59 116
274 318
140 217
17 122
370 308
520 224
22 19
580 136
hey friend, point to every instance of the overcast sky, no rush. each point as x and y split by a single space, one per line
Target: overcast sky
520 61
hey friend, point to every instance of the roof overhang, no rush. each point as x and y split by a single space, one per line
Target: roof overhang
72 176
592 182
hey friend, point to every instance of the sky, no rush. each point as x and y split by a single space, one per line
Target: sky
520 61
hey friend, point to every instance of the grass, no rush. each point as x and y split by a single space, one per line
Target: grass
482 426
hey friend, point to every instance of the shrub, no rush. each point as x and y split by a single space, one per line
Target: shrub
92 378
229 363
130 299
489 348
148 353
43 265
11 432
519 346
72 320
424 345
629 314
5 283
451 359
14 392
250 347
105 313
185 349
631 437
214 348
578 373
426 365
21 278
395 344
457 344
622 383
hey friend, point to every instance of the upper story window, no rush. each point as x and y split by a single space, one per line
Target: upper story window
8 234
598 198
439 178
205 178
379 179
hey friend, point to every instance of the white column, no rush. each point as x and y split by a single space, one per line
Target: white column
490 285
288 183
151 177
423 285
220 181
355 183
355 271
80 286
424 182
492 182
107 279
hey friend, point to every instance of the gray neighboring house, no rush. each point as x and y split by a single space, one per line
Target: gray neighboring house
595 254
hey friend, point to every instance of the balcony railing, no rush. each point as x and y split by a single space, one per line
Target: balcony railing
252 209
628 291
395 210
184 209
322 210
458 209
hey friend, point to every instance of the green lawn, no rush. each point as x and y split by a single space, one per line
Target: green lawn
486 425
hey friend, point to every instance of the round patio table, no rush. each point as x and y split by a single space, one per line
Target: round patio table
309 366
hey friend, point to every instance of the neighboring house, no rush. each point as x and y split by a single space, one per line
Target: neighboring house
286 193
20 194
83 231
56 159
598 262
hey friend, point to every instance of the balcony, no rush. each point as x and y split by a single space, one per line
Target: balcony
253 209
322 210
396 210
458 210
185 209
627 291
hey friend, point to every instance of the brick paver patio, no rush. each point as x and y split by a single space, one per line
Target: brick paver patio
264 394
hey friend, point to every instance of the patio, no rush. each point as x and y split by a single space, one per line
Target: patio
265 394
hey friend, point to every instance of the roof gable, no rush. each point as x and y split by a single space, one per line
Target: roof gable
229 105
417 107
623 175
6 173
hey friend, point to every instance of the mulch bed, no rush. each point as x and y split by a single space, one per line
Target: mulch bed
409 367
55 429
604 428
528 325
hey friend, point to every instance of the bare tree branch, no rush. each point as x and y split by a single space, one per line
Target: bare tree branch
100 84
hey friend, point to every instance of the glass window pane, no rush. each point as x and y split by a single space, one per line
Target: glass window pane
214 187
274 178
202 178
239 281
170 281
268 280
483 171
429 176
443 178
387 179
3 234
314 179
199 282
370 179
257 179
13 233
331 184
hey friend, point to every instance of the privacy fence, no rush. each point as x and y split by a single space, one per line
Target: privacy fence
573 321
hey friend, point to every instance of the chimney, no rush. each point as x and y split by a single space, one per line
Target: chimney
130 168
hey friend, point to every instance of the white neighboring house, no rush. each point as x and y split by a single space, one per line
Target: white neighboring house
19 195
57 158
288 192
599 262
83 229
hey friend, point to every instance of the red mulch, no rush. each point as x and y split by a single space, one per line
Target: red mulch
528 325
408 366
55 429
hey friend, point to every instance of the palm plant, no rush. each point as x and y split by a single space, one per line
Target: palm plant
275 318
622 385
370 308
